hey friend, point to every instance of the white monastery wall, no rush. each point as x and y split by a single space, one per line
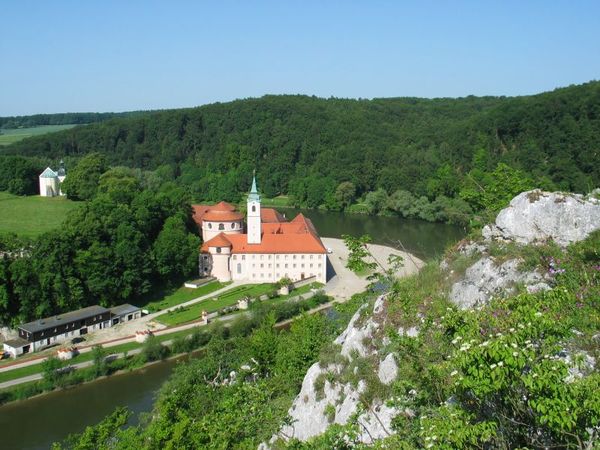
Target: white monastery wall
211 229
262 268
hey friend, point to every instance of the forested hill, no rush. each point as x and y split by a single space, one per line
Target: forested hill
79 118
308 146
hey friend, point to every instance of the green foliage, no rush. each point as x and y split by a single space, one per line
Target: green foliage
83 180
492 192
358 253
98 437
311 148
153 350
19 175
100 364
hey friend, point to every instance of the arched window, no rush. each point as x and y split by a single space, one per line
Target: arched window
218 249
221 226
253 208
232 225
209 225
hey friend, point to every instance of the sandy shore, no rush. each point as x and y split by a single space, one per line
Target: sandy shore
346 283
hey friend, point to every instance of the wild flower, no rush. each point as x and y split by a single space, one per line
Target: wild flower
453 373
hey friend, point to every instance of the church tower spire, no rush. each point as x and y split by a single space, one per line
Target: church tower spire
254 222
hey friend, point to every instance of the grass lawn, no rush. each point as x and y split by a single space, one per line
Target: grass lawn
10 136
281 201
228 298
33 215
183 295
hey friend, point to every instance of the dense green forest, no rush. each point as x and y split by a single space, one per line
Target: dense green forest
133 236
435 159
35 120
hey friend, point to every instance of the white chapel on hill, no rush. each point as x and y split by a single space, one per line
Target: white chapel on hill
267 249
50 181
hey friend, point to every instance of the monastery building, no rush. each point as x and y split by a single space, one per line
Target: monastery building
268 249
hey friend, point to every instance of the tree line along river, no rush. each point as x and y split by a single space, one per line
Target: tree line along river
37 422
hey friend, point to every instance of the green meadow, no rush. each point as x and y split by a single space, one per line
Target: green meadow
31 216
10 136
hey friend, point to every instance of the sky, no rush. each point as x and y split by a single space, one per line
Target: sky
122 55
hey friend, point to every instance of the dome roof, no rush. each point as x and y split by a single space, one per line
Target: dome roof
222 206
222 216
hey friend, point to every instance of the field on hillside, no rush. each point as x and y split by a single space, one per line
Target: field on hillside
9 136
33 215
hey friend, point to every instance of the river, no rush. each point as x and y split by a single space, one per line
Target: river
35 423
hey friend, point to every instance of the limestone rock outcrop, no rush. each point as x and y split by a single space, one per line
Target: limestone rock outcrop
315 409
538 216
486 278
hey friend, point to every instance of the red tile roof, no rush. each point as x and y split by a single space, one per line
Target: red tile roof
220 240
221 212
270 215
297 236
222 216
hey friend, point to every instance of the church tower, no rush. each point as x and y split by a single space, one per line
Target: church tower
254 228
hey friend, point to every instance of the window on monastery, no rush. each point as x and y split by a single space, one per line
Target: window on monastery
269 266
269 257
221 226
210 225
253 265
253 275
239 268
243 257
277 265
310 256
234 257
286 256
262 275
205 257
262 256
277 275
311 265
218 249
232 225
319 265
262 266
276 256
294 257
294 266
302 265
302 257
286 266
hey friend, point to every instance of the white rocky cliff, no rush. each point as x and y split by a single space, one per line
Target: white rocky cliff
533 217
538 216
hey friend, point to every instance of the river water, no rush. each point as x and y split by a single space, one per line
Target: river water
35 423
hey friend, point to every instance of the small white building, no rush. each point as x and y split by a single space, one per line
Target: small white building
50 181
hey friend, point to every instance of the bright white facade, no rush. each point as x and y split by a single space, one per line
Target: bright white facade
50 181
